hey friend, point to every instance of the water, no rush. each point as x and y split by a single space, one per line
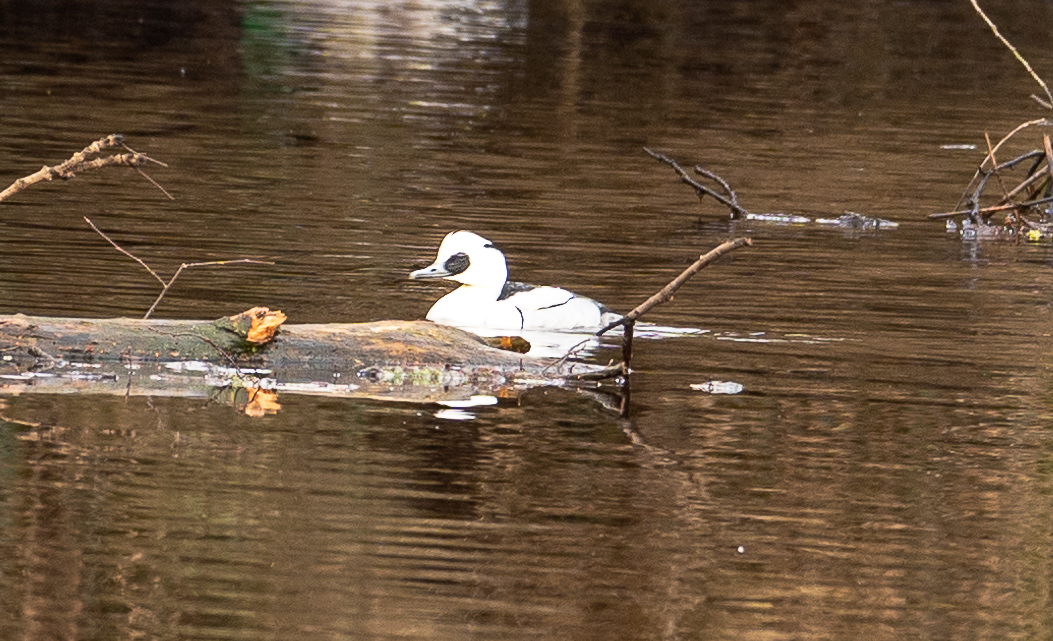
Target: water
885 472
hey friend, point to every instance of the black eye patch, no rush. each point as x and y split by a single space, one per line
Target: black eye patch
457 263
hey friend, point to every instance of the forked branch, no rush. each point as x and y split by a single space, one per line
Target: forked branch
83 161
729 199
1036 182
166 285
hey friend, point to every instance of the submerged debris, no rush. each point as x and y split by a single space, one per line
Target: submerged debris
1037 231
727 197
779 217
853 220
718 387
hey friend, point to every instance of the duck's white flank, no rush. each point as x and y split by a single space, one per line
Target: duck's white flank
486 299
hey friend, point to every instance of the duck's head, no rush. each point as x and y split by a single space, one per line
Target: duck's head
467 258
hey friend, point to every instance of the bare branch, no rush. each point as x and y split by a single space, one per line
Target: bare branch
80 162
700 189
1016 54
165 286
991 210
628 322
124 251
1030 180
1015 131
1049 157
970 196
667 292
991 155
573 351
732 196
1042 102
179 271
155 183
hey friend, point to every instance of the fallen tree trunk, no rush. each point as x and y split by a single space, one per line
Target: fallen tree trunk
414 360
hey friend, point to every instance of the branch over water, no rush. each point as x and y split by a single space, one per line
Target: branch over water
82 161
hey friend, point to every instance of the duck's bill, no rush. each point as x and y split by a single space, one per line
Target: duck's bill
431 271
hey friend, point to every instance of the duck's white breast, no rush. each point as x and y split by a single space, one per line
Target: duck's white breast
471 307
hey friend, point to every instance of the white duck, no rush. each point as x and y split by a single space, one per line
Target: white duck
486 299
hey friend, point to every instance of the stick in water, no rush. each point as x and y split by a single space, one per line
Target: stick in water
667 292
629 320
731 201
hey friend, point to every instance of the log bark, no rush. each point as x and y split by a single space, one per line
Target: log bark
417 360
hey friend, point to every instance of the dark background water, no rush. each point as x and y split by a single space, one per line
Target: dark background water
885 474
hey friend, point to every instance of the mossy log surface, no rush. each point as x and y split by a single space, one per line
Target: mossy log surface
385 354
409 343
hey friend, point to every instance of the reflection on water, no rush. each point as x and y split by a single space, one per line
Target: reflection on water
884 471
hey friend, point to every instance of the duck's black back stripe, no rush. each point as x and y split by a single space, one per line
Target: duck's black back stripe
556 305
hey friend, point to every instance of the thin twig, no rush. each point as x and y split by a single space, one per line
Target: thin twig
146 176
991 152
991 155
183 266
732 196
1030 180
210 342
984 174
155 183
1011 164
1048 148
124 251
628 330
628 322
991 210
700 189
144 156
1047 105
609 371
570 352
1015 131
994 30
667 292
165 286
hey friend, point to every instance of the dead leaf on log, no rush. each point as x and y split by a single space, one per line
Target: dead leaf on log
256 325
264 324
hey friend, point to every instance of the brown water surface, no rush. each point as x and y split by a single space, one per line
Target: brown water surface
886 473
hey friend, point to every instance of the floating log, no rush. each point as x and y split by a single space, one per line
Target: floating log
414 360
